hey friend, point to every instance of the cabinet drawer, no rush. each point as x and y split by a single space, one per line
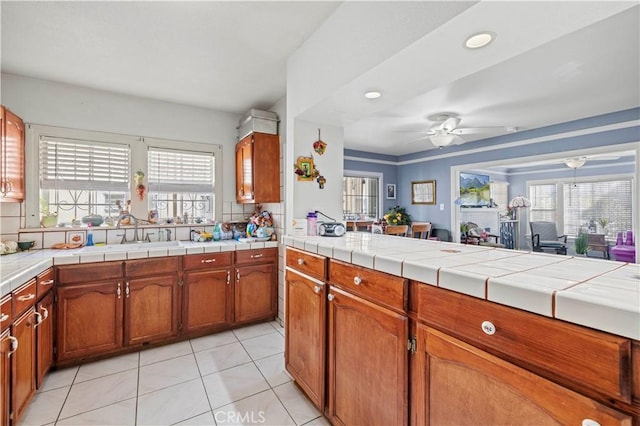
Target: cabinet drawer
581 358
24 297
307 263
156 266
89 272
379 287
44 282
251 257
6 312
207 260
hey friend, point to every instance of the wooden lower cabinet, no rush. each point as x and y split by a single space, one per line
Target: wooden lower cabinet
5 376
206 299
89 319
255 293
457 383
367 362
44 338
23 363
150 309
305 334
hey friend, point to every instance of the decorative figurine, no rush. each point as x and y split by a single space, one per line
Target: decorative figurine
319 146
321 181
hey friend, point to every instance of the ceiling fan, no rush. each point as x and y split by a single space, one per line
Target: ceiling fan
446 131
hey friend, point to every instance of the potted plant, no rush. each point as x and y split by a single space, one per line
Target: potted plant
397 216
581 244
49 220
603 222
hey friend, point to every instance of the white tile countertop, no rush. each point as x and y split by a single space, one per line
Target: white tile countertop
601 294
16 269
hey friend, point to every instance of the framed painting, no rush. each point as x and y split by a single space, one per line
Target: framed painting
391 191
304 168
423 192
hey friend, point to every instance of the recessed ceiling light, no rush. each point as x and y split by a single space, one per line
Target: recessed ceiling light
372 94
479 40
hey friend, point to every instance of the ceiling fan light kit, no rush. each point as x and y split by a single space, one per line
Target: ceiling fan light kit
575 163
442 140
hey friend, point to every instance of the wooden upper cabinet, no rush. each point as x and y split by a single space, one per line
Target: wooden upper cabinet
258 169
12 154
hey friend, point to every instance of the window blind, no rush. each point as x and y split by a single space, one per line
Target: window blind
585 203
544 202
180 171
83 165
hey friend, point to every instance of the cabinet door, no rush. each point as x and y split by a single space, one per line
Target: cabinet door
12 157
305 327
244 170
206 304
44 338
5 377
465 385
368 362
151 309
23 363
266 168
255 293
89 319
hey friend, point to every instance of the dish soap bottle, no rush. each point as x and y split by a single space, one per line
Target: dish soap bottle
89 235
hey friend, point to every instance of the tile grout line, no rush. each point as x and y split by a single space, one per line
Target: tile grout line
135 417
193 352
66 397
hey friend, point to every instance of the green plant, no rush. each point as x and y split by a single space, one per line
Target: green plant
581 244
44 208
397 216
603 221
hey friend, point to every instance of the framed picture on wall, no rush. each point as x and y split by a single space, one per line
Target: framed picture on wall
391 191
423 192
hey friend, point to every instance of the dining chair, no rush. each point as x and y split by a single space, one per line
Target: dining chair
421 230
400 230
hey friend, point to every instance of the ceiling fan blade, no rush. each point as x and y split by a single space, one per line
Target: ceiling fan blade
450 123
476 130
421 138
458 140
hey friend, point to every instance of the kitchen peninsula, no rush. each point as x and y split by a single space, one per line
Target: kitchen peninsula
392 330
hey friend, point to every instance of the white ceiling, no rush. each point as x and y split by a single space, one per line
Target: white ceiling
551 62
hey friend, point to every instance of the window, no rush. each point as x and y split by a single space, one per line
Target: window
499 195
83 172
181 182
80 177
584 205
361 196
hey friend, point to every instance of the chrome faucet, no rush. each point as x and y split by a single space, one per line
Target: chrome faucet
135 227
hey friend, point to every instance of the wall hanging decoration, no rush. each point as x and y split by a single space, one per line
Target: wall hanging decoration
140 188
423 192
321 181
319 146
305 169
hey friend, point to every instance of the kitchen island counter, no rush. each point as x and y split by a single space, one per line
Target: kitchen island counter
601 294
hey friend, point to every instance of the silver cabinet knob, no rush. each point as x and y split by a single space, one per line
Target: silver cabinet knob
488 328
317 289
300 261
357 280
330 297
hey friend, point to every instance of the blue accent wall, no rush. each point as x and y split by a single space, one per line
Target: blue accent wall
389 171
436 164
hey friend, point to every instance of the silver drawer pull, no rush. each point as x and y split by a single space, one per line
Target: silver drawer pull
317 289
330 297
488 328
4 317
47 282
27 297
207 261
256 256
300 261
357 280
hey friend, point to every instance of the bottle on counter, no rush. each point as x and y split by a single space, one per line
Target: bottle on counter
89 235
312 223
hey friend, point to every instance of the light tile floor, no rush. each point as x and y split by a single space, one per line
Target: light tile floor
230 378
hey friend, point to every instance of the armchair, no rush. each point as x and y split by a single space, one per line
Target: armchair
544 236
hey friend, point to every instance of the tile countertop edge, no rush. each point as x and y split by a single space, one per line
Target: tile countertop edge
18 268
356 248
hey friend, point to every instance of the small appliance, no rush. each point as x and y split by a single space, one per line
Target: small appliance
330 229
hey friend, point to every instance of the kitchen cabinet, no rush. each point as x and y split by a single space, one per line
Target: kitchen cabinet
364 388
206 292
503 365
463 384
258 169
255 287
305 325
151 300
44 337
23 363
12 154
7 343
89 310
